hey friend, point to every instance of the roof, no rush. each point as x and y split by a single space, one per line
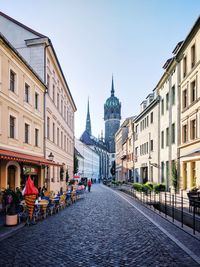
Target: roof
21 58
21 157
22 25
77 153
88 139
41 36
167 63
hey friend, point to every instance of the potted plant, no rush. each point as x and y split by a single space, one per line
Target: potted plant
10 201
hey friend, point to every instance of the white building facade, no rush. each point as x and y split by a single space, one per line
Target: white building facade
89 165
146 167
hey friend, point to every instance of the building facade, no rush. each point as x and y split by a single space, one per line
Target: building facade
124 140
21 121
89 164
97 145
146 140
59 107
167 89
188 58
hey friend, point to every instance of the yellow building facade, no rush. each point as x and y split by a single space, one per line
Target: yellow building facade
188 59
21 121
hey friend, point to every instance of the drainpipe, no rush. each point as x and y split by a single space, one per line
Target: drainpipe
44 144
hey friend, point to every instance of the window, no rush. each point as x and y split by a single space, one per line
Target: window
167 136
58 137
162 171
65 113
162 107
61 106
36 137
48 127
53 94
27 92
173 133
61 139
151 117
167 101
184 66
184 98
147 147
26 133
193 129
151 145
36 100
53 132
193 91
147 121
12 81
173 95
167 170
48 83
12 127
184 133
58 101
65 142
193 56
162 139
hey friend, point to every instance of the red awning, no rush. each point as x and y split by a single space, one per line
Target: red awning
20 157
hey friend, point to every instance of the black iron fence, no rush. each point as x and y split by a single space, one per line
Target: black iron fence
175 207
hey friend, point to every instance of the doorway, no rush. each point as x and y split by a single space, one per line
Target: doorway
11 177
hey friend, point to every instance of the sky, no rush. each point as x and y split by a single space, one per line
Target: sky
95 39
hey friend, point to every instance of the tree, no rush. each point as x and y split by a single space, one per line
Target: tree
112 169
75 164
174 176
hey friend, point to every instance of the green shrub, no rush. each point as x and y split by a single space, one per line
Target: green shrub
150 184
137 186
146 188
159 188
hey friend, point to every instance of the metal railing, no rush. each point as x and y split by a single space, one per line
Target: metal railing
173 206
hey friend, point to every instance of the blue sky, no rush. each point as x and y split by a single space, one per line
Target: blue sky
97 38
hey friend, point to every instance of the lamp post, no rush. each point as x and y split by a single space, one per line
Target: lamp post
50 157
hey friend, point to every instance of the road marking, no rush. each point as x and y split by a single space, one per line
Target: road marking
178 243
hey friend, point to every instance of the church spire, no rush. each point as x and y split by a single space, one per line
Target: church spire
112 87
88 122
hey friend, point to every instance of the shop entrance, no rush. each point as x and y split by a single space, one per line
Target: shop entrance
11 177
31 171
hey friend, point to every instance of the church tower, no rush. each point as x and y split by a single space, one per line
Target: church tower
88 122
112 117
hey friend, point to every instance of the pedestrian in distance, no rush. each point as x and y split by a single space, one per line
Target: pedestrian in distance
89 184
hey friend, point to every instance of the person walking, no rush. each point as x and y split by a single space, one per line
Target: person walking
89 184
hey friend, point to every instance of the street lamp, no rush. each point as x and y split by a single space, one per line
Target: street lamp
51 156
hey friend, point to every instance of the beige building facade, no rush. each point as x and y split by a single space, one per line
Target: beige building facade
188 59
21 120
59 107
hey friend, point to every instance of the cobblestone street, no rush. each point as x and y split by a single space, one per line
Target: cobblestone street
100 230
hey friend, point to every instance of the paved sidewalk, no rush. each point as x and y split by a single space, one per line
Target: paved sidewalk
184 235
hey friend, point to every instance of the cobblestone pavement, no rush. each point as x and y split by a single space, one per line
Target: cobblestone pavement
100 230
